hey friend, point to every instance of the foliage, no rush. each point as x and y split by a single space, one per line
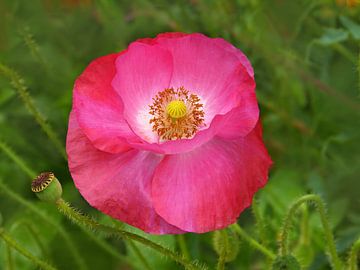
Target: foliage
306 59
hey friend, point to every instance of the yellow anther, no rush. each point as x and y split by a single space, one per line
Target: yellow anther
176 109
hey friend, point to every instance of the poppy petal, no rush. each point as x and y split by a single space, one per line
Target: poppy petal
207 189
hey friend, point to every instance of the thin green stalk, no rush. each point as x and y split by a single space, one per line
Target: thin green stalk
183 247
72 249
223 250
33 46
34 233
284 233
9 259
18 160
252 241
140 255
353 258
260 225
15 245
18 83
88 222
304 227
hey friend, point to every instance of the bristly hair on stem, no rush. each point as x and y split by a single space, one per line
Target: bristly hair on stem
353 260
33 46
83 220
73 250
286 227
18 83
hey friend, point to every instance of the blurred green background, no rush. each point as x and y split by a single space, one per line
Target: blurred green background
305 55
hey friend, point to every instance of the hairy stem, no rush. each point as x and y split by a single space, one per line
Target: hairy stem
18 83
72 249
223 251
252 241
90 223
33 46
15 245
353 257
284 233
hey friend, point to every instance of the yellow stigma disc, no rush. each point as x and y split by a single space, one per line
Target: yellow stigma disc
176 109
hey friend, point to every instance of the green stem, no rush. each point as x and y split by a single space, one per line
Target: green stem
34 233
140 255
183 247
88 222
260 225
14 157
9 259
11 242
252 241
353 258
223 251
33 46
72 249
304 227
284 233
18 83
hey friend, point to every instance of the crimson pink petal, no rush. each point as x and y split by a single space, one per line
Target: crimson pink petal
207 189
116 184
142 72
204 68
99 108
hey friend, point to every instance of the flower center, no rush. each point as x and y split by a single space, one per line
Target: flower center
177 114
176 109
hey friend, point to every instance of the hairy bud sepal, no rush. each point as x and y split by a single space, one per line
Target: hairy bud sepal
47 187
287 262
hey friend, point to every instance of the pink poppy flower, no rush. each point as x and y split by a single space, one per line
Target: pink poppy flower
165 135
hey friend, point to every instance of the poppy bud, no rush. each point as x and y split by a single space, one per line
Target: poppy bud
287 262
47 187
228 241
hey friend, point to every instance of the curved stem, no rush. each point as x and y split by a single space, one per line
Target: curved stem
353 258
11 242
72 249
223 251
284 233
89 223
18 160
252 241
18 83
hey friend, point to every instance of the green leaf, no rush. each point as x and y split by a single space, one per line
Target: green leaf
332 36
353 27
